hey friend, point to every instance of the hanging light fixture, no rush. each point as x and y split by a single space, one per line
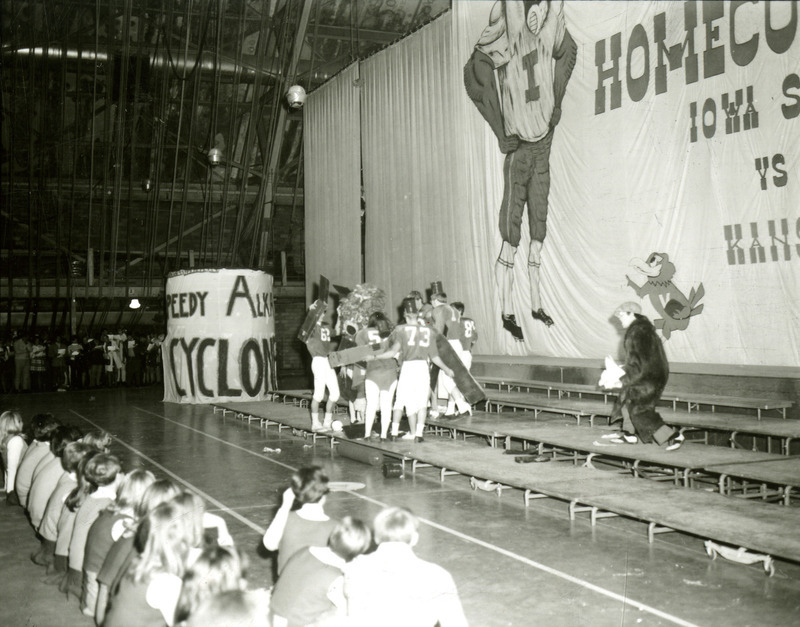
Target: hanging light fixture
134 304
214 156
296 97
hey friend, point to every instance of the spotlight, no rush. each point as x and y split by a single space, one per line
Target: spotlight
134 304
214 156
296 97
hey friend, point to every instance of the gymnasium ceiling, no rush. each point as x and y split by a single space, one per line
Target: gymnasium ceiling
110 109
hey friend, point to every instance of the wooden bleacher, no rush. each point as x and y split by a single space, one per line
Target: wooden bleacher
734 424
693 401
664 506
644 459
691 464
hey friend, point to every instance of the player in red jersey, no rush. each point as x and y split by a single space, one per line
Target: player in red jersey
414 345
381 377
445 321
467 334
527 45
319 344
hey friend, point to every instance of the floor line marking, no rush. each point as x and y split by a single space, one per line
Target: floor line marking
492 547
220 506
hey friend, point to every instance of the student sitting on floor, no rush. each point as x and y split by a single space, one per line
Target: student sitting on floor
66 520
99 439
301 520
71 458
48 472
216 570
233 608
100 539
12 449
42 428
310 586
101 479
123 533
149 591
393 587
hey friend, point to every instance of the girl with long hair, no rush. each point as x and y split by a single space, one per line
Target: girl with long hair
122 552
99 539
149 592
12 449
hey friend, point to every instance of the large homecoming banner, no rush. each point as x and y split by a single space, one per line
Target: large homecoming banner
220 336
643 151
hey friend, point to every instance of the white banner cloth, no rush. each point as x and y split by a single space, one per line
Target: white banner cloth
220 336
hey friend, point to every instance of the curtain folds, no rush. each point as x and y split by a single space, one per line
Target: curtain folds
653 193
331 141
418 227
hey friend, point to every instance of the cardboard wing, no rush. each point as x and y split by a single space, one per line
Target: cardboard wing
356 354
314 315
470 388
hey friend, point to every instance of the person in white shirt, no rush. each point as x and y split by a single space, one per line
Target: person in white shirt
393 587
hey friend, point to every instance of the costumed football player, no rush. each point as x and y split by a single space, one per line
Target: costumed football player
319 344
527 45
445 321
462 336
354 311
414 345
381 376
641 380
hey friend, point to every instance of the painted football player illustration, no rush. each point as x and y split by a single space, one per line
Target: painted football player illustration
528 47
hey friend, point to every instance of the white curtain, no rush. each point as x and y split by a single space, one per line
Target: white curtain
331 128
418 229
641 177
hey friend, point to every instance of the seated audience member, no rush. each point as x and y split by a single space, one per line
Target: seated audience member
102 480
392 586
234 608
100 538
216 570
148 593
48 472
12 449
41 428
301 520
66 520
122 553
73 455
310 586
99 439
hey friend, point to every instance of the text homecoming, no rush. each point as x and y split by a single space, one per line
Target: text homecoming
716 32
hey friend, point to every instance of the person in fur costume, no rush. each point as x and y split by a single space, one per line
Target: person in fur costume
641 381
355 308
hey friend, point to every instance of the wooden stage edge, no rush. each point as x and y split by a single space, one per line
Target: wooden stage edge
768 530
777 372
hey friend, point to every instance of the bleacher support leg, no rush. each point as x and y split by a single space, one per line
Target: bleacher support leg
530 494
653 529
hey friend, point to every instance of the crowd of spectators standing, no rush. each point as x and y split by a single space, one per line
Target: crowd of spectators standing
34 362
133 549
